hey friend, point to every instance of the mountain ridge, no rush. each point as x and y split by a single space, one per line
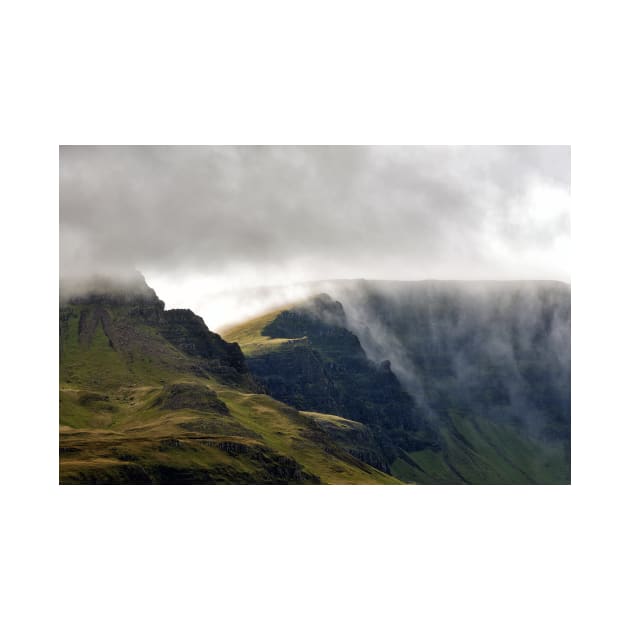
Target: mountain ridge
420 382
149 395
464 407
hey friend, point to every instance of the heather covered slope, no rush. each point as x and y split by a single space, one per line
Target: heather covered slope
149 395
456 382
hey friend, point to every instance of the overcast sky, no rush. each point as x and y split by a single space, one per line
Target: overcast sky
205 223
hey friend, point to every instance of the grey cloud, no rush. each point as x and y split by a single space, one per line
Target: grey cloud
341 211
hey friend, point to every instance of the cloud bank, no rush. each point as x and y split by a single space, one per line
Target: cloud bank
219 219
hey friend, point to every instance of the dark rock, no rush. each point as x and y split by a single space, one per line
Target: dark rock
187 332
136 325
331 373
169 443
191 396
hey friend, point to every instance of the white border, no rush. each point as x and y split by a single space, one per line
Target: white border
290 72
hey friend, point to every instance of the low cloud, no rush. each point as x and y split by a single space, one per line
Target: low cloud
227 218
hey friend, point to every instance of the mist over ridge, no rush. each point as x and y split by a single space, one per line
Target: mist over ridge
485 363
206 220
451 343
215 300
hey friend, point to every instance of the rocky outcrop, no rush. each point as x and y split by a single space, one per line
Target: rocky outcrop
137 326
355 438
188 332
330 373
191 396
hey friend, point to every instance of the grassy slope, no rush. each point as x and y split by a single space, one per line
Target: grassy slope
112 430
249 337
342 423
99 364
136 431
478 451
292 433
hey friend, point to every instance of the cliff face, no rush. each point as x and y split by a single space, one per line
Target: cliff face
188 332
129 321
499 350
488 363
456 382
327 371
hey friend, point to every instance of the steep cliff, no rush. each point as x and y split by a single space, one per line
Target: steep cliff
322 367
457 382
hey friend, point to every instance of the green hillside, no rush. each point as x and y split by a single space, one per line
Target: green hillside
307 394
478 451
252 339
151 396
